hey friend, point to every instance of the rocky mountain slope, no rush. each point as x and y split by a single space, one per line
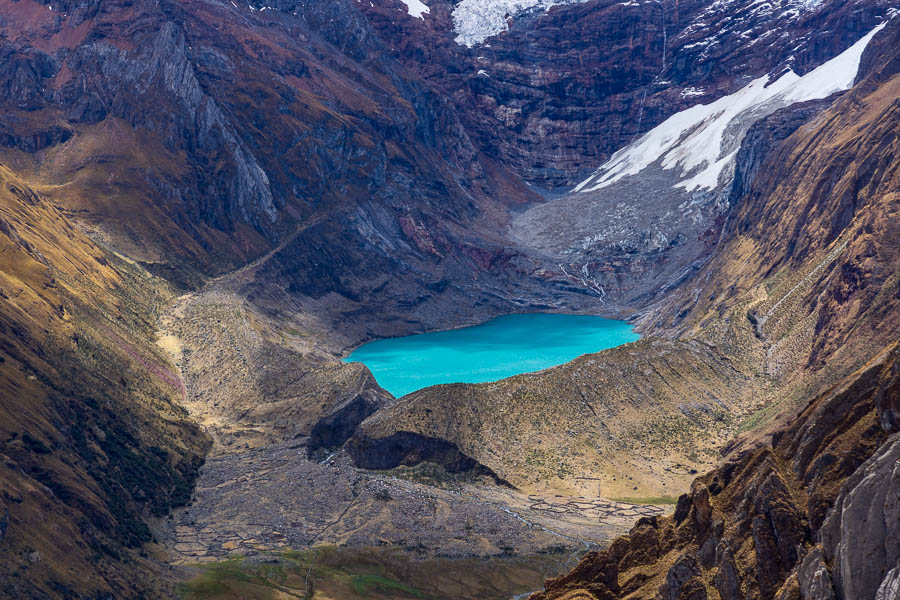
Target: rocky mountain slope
748 335
563 85
93 434
232 130
544 97
199 136
808 509
817 282
651 215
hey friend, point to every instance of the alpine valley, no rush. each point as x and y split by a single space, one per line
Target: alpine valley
207 205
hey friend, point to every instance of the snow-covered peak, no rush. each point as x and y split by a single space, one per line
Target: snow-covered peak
477 20
416 8
702 141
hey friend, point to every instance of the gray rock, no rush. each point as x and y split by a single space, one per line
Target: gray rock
727 579
4 523
890 586
682 581
814 577
861 534
165 64
708 552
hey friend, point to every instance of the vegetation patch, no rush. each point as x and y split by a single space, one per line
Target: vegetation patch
362 584
330 573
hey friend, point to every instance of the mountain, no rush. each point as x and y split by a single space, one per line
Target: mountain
806 508
808 512
206 204
566 84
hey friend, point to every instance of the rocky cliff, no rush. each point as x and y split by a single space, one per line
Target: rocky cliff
630 65
198 136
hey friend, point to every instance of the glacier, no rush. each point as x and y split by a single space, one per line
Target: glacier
702 141
476 20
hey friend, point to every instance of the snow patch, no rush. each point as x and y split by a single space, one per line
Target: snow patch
702 141
416 8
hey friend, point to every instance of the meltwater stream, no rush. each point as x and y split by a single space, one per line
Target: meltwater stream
500 348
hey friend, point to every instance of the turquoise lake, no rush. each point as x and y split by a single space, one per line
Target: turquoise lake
500 348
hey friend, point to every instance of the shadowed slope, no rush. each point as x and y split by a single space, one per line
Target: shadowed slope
92 434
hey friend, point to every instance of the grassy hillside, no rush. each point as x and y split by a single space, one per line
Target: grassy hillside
329 573
92 434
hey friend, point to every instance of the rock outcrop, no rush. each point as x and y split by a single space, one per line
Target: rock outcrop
407 449
861 534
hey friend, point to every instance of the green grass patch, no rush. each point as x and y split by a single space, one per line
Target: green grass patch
366 574
233 579
217 579
363 583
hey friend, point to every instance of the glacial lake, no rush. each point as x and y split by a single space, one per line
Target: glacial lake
500 348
